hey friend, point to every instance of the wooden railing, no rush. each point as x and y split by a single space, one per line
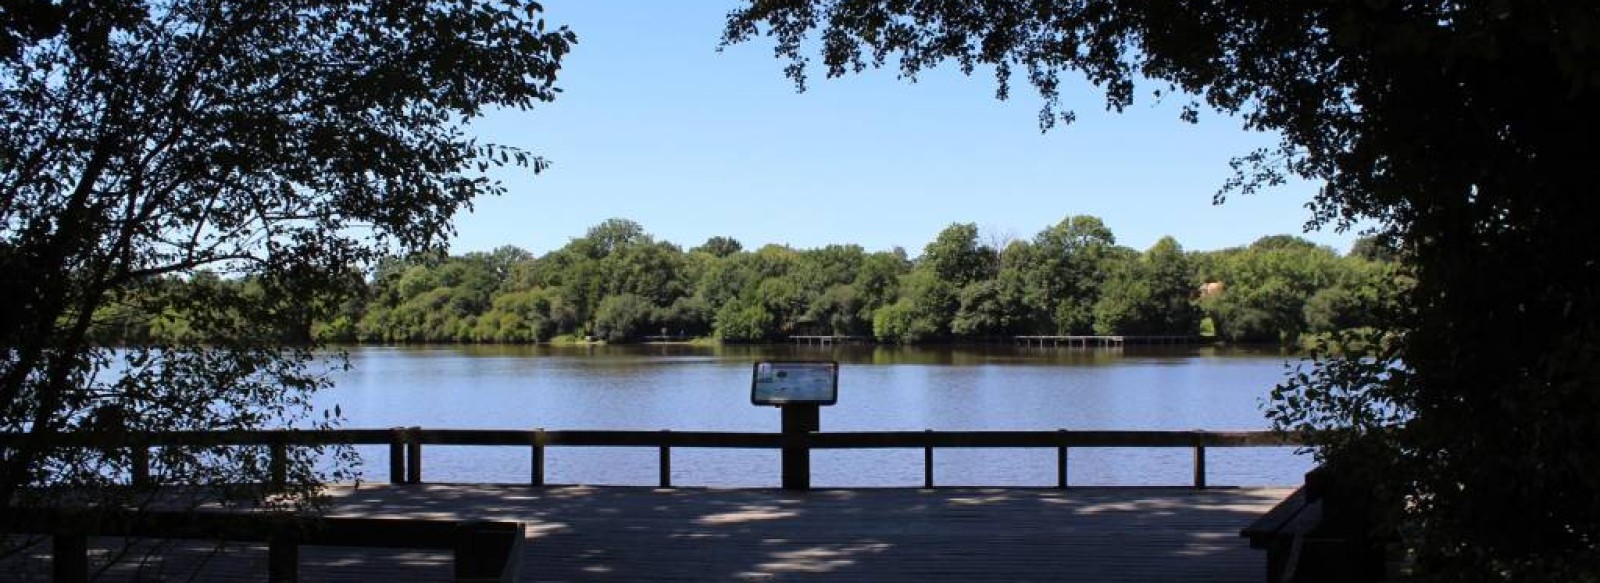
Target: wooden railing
405 444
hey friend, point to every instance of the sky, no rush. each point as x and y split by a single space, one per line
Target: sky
655 125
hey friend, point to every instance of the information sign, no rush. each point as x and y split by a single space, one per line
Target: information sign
795 382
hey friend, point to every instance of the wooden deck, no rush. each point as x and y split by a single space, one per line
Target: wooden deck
580 533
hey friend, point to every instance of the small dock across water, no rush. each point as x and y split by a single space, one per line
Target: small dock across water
1069 341
1101 341
827 340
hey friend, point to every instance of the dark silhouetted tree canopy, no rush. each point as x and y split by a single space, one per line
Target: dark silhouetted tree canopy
233 168
1463 130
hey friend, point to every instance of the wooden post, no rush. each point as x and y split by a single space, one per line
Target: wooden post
1061 461
414 456
1199 460
799 419
927 464
283 557
536 473
666 463
141 465
279 464
397 455
69 558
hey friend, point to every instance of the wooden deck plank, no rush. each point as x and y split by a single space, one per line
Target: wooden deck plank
869 534
580 533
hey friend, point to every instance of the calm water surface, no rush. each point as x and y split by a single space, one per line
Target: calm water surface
707 388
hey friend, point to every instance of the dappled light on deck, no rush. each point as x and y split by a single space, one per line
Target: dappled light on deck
957 534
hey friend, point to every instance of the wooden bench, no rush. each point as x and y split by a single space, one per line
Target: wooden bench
485 551
1322 533
1282 531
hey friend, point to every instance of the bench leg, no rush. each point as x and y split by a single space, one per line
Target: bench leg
69 558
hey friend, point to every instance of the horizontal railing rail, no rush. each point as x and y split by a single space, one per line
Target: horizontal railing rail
648 438
405 443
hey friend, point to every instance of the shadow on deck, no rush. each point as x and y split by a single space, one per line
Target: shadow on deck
581 533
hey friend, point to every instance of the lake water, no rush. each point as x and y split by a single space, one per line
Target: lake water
686 388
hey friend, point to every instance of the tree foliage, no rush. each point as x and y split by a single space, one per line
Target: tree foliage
1462 130
225 171
1153 294
643 287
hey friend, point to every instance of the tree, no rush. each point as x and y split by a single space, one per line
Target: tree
990 308
784 299
719 246
608 237
1149 294
838 311
1373 249
901 323
877 280
1278 287
1462 130
956 257
1173 286
744 321
1067 263
519 316
1022 269
1268 285
648 269
621 318
1362 291
926 306
283 144
688 315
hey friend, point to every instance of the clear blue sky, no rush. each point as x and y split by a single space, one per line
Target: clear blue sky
656 126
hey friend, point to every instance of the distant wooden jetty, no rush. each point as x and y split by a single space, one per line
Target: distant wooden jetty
667 338
1036 341
1076 341
826 340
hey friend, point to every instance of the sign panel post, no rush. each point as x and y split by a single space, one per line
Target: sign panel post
798 420
799 389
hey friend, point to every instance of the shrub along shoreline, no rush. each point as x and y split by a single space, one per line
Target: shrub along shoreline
619 284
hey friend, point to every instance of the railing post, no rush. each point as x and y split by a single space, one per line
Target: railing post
666 462
536 473
397 455
927 463
69 557
141 465
1199 459
1061 461
278 463
414 455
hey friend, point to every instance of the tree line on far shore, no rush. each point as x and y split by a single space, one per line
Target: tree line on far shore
618 283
